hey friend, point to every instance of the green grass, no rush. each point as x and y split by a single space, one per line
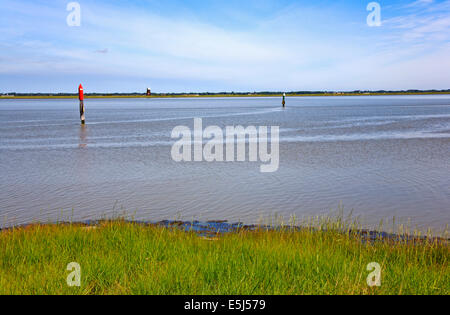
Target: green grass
125 258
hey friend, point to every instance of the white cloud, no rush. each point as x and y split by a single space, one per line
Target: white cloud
419 3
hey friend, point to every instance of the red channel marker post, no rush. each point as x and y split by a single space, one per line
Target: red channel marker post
81 97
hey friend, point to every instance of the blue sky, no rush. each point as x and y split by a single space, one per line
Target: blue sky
212 45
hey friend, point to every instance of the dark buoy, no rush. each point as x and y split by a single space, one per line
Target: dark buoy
82 111
284 100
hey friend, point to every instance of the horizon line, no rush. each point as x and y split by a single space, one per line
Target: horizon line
233 92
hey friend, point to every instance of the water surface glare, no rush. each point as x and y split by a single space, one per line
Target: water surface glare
383 157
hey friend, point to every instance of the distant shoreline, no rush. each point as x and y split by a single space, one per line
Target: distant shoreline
215 228
211 95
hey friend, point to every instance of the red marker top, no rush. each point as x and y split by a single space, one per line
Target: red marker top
80 93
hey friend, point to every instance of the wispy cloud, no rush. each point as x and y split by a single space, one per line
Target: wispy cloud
419 3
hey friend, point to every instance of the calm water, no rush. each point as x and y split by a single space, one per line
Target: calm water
380 156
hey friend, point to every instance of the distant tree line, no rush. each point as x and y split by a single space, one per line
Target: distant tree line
231 93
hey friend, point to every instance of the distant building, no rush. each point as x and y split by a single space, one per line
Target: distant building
149 92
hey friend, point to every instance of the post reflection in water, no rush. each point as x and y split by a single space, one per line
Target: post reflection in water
83 137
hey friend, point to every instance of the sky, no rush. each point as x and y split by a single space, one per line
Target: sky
232 45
